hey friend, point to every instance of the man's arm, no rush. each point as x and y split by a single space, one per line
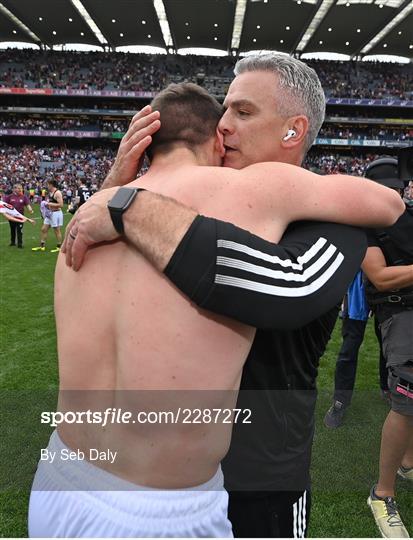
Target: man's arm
383 277
165 221
294 194
11 214
28 205
226 269
12 218
229 271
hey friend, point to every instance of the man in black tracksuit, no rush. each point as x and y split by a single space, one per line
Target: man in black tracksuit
267 469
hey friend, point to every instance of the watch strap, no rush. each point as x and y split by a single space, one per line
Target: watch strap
116 213
116 217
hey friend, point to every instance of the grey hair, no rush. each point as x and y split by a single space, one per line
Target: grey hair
300 88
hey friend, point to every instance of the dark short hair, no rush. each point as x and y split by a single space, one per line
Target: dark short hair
53 183
189 116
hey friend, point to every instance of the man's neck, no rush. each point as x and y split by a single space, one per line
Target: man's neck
179 157
292 158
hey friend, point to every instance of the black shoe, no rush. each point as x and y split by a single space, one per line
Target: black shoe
335 415
20 246
12 245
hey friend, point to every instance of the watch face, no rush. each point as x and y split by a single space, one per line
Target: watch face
121 199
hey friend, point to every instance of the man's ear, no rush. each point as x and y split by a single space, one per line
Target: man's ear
298 124
220 142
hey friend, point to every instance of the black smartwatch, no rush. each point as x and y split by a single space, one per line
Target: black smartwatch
123 198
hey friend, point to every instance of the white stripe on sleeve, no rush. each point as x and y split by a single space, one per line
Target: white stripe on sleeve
279 274
275 290
286 263
295 520
304 513
300 524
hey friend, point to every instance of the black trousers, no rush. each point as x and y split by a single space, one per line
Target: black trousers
346 364
16 229
272 514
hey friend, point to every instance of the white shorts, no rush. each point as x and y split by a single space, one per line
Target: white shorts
56 219
60 506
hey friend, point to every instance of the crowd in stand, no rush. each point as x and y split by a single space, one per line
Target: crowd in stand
33 166
126 71
334 163
14 121
119 125
373 80
101 70
365 133
360 112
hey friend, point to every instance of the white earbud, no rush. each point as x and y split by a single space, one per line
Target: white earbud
290 134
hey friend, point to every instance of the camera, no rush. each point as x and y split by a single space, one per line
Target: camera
406 164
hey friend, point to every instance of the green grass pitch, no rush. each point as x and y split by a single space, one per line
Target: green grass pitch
345 461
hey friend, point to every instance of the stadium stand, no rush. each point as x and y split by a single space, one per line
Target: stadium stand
123 71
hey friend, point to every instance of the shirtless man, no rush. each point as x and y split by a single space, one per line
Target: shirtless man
54 218
136 332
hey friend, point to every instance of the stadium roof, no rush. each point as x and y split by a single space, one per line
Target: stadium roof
350 27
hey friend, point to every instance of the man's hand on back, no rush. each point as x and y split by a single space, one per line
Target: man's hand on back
90 225
154 228
132 147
